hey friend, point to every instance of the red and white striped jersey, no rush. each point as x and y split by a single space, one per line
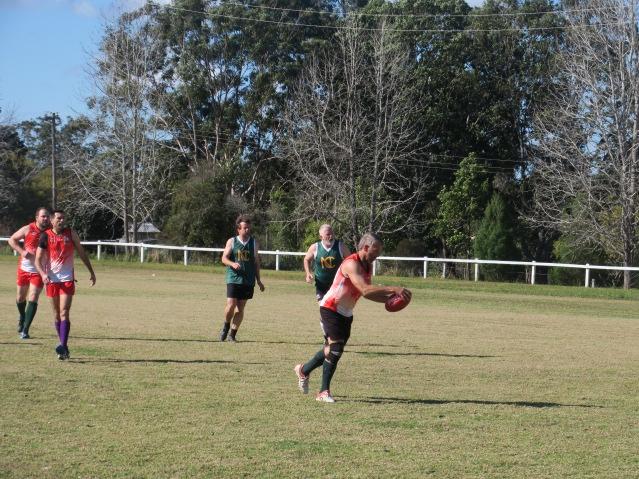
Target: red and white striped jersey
60 248
31 241
342 296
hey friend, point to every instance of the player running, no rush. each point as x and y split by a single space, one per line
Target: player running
353 280
325 256
28 279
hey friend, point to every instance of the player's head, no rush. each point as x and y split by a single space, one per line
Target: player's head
326 232
57 219
243 225
42 218
369 247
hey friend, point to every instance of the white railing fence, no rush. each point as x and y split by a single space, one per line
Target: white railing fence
143 248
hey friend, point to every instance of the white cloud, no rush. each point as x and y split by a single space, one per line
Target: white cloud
84 8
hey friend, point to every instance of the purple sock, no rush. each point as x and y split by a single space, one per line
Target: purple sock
57 328
65 327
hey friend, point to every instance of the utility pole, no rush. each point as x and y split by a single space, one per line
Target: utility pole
54 195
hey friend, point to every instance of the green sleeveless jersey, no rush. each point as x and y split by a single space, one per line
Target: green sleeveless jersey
327 262
244 254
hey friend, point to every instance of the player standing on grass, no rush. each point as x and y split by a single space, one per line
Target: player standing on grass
243 270
325 256
54 260
28 279
353 279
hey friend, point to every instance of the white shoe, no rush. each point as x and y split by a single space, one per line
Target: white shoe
302 381
324 396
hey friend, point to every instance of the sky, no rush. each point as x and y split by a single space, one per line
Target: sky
45 49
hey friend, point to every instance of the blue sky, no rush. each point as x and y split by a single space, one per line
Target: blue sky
45 46
45 49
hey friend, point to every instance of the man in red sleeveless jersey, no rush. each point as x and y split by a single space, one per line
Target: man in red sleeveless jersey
28 279
352 281
54 260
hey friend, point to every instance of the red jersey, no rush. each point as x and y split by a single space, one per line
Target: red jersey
342 296
60 248
31 241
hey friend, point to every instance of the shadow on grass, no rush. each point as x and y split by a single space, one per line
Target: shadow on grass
158 361
162 340
385 353
255 341
21 343
533 404
316 343
186 340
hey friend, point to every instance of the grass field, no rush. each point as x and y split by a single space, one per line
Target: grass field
471 381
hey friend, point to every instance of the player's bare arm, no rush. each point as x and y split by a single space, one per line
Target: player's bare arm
226 256
257 266
83 256
40 259
344 249
353 271
15 240
308 260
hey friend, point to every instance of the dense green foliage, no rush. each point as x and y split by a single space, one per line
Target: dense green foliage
496 239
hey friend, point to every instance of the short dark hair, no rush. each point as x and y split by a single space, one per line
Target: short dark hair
53 213
40 208
242 219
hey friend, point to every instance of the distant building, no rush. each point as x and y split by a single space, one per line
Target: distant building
147 233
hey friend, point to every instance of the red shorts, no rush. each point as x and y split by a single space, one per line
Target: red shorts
25 278
56 289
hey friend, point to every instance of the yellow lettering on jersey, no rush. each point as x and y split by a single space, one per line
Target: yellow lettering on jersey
327 262
243 255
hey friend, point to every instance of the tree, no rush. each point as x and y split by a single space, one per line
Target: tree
495 238
125 171
586 166
351 138
13 174
202 213
460 208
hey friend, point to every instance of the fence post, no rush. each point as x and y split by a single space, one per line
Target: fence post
476 270
99 249
587 275
186 256
443 270
141 254
425 267
374 267
277 260
533 273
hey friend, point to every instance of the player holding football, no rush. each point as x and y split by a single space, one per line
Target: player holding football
54 260
325 256
243 270
353 280
28 279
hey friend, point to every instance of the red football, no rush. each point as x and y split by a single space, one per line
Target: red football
395 303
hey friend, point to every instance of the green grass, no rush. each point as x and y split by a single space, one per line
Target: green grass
472 380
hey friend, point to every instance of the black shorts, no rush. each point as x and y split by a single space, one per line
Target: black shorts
239 291
335 326
321 289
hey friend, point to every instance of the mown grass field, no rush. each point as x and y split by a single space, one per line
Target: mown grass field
470 381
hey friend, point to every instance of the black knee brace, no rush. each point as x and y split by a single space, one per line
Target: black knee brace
335 351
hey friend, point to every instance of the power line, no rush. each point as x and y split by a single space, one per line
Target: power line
397 30
419 15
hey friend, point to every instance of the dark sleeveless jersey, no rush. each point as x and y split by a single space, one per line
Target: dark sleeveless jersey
244 254
327 262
